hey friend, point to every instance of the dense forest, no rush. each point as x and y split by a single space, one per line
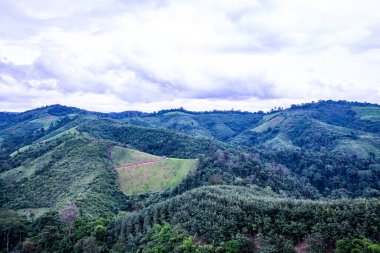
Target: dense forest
303 179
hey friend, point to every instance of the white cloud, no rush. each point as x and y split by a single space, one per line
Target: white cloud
201 55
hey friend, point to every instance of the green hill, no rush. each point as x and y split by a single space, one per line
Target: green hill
70 168
161 142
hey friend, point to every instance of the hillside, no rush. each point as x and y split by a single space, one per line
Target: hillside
53 173
333 147
307 176
220 213
161 142
337 126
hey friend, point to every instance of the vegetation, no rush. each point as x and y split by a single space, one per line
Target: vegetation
360 245
302 179
153 141
221 213
70 168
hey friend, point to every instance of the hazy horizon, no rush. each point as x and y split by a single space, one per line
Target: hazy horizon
186 109
200 55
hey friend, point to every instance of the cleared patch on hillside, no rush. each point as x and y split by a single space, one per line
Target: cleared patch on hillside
33 212
280 142
140 172
269 124
270 116
46 121
125 157
176 113
358 148
368 112
156 176
59 133
20 150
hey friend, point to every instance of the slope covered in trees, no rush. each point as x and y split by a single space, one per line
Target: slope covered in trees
154 141
222 213
70 168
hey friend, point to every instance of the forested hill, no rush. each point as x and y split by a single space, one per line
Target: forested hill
306 177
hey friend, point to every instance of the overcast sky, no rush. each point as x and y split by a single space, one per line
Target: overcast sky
200 54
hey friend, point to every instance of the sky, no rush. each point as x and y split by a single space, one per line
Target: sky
145 55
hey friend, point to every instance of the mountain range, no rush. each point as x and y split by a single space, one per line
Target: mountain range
289 180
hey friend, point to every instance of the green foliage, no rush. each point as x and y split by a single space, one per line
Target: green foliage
356 245
12 229
221 125
76 168
165 238
235 168
232 246
153 141
220 213
331 175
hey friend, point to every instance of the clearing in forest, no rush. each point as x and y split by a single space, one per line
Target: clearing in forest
140 172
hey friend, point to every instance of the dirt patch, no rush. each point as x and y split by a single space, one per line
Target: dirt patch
139 164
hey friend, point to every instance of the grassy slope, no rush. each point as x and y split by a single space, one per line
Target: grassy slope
367 113
46 121
124 156
151 177
273 122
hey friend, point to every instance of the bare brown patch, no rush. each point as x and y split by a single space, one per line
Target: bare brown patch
301 247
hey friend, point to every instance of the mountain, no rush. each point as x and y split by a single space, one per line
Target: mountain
217 181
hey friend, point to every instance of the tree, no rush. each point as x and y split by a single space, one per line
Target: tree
49 237
12 227
68 214
357 245
100 232
232 246
90 245
28 246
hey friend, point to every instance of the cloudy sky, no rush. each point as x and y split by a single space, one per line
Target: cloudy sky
118 55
